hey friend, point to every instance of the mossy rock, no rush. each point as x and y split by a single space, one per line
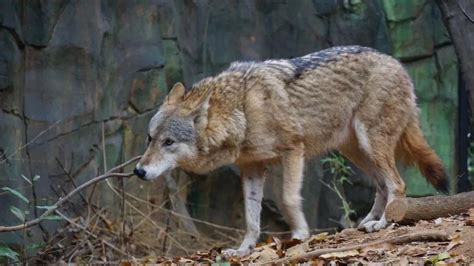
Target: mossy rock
448 73
423 73
398 10
173 67
413 39
148 90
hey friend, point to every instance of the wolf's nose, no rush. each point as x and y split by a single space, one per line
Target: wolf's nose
140 172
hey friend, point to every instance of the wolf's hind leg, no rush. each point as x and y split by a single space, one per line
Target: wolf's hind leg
378 208
355 152
388 181
293 165
394 186
253 179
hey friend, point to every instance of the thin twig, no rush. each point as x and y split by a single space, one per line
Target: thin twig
89 233
177 243
8 157
68 196
218 226
465 12
397 240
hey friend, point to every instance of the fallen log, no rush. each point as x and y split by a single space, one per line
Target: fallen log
410 210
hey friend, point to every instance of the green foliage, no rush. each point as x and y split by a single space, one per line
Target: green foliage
46 207
341 172
53 218
27 179
7 252
339 168
437 258
16 193
22 212
21 215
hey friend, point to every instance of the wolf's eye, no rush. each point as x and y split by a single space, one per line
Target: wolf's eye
148 138
168 142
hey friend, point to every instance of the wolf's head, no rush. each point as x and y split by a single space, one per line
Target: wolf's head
172 134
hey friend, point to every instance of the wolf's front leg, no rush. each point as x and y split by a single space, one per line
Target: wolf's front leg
293 165
253 180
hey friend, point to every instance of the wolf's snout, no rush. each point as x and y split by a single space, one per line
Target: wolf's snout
140 172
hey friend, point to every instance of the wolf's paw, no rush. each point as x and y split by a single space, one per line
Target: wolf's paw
373 226
235 252
368 218
300 234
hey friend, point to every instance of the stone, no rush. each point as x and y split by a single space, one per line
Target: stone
423 74
448 73
294 35
10 18
135 130
40 18
325 8
441 34
9 60
345 24
412 39
399 10
173 66
148 89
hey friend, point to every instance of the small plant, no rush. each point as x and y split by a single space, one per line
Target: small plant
341 172
22 213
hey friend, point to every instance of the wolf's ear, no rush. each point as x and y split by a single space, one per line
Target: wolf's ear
176 94
200 112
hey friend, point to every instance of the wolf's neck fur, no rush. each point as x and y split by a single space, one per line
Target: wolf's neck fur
221 128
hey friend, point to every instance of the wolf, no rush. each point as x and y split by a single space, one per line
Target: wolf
352 99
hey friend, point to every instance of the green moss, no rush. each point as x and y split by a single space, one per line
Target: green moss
398 10
413 38
173 68
448 73
423 74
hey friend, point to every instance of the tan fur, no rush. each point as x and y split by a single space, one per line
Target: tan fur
357 101
413 149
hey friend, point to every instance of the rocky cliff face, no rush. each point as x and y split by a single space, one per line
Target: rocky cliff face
79 81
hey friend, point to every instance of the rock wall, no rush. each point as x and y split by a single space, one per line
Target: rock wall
79 81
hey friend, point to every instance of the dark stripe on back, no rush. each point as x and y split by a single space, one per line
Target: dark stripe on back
312 61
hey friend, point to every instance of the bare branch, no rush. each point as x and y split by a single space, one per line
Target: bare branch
465 12
61 201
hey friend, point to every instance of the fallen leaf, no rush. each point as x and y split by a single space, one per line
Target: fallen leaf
297 250
279 246
455 241
266 254
290 243
339 255
319 237
457 259
470 219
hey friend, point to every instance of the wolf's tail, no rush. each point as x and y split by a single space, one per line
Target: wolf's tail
413 149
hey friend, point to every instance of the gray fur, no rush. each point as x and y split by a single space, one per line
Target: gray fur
293 68
179 129
314 60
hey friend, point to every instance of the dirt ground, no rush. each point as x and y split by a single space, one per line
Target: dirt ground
456 247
